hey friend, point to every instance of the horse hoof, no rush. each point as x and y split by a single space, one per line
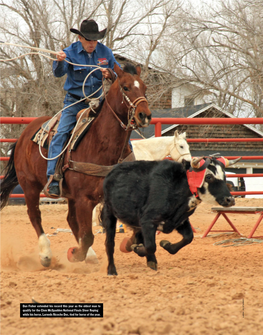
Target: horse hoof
152 265
92 260
46 261
73 255
164 243
91 257
125 245
70 255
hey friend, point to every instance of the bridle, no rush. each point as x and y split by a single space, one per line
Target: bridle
131 106
176 146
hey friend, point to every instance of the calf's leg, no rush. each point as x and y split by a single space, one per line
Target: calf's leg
147 246
109 223
152 262
186 231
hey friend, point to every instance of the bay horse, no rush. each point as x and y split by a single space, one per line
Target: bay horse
105 142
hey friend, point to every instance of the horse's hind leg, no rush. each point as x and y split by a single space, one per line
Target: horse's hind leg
32 201
72 221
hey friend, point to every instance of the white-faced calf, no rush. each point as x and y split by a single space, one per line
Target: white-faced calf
159 195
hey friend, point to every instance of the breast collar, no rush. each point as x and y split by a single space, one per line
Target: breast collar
195 177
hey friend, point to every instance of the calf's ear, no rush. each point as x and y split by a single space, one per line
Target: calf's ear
229 186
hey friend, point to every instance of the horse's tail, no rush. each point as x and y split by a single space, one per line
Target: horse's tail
9 181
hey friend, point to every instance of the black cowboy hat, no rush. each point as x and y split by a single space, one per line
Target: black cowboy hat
89 30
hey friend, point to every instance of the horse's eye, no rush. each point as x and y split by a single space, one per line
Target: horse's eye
181 146
125 88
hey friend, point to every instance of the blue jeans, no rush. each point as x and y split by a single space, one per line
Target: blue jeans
66 124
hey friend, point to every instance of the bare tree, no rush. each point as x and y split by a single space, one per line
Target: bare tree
220 50
28 87
137 31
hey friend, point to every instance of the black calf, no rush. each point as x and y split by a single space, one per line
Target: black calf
150 196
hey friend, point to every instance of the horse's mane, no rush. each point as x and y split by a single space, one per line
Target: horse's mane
129 68
95 111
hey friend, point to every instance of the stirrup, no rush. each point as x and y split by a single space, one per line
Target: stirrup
45 190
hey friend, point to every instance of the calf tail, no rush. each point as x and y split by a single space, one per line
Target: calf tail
100 217
9 181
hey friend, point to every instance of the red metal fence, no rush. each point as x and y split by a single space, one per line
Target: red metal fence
158 127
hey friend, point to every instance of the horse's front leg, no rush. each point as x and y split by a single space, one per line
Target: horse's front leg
91 256
186 231
81 224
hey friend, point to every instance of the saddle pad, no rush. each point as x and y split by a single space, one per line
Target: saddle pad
41 137
47 130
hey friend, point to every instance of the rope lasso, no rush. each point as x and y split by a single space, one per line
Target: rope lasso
74 129
97 67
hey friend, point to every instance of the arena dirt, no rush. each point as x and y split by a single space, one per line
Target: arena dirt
206 288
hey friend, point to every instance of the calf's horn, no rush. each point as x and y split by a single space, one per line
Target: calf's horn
232 162
195 163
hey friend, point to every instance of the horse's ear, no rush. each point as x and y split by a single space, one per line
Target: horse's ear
138 69
118 70
176 133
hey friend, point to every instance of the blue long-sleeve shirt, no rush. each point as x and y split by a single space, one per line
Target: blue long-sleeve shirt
76 74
